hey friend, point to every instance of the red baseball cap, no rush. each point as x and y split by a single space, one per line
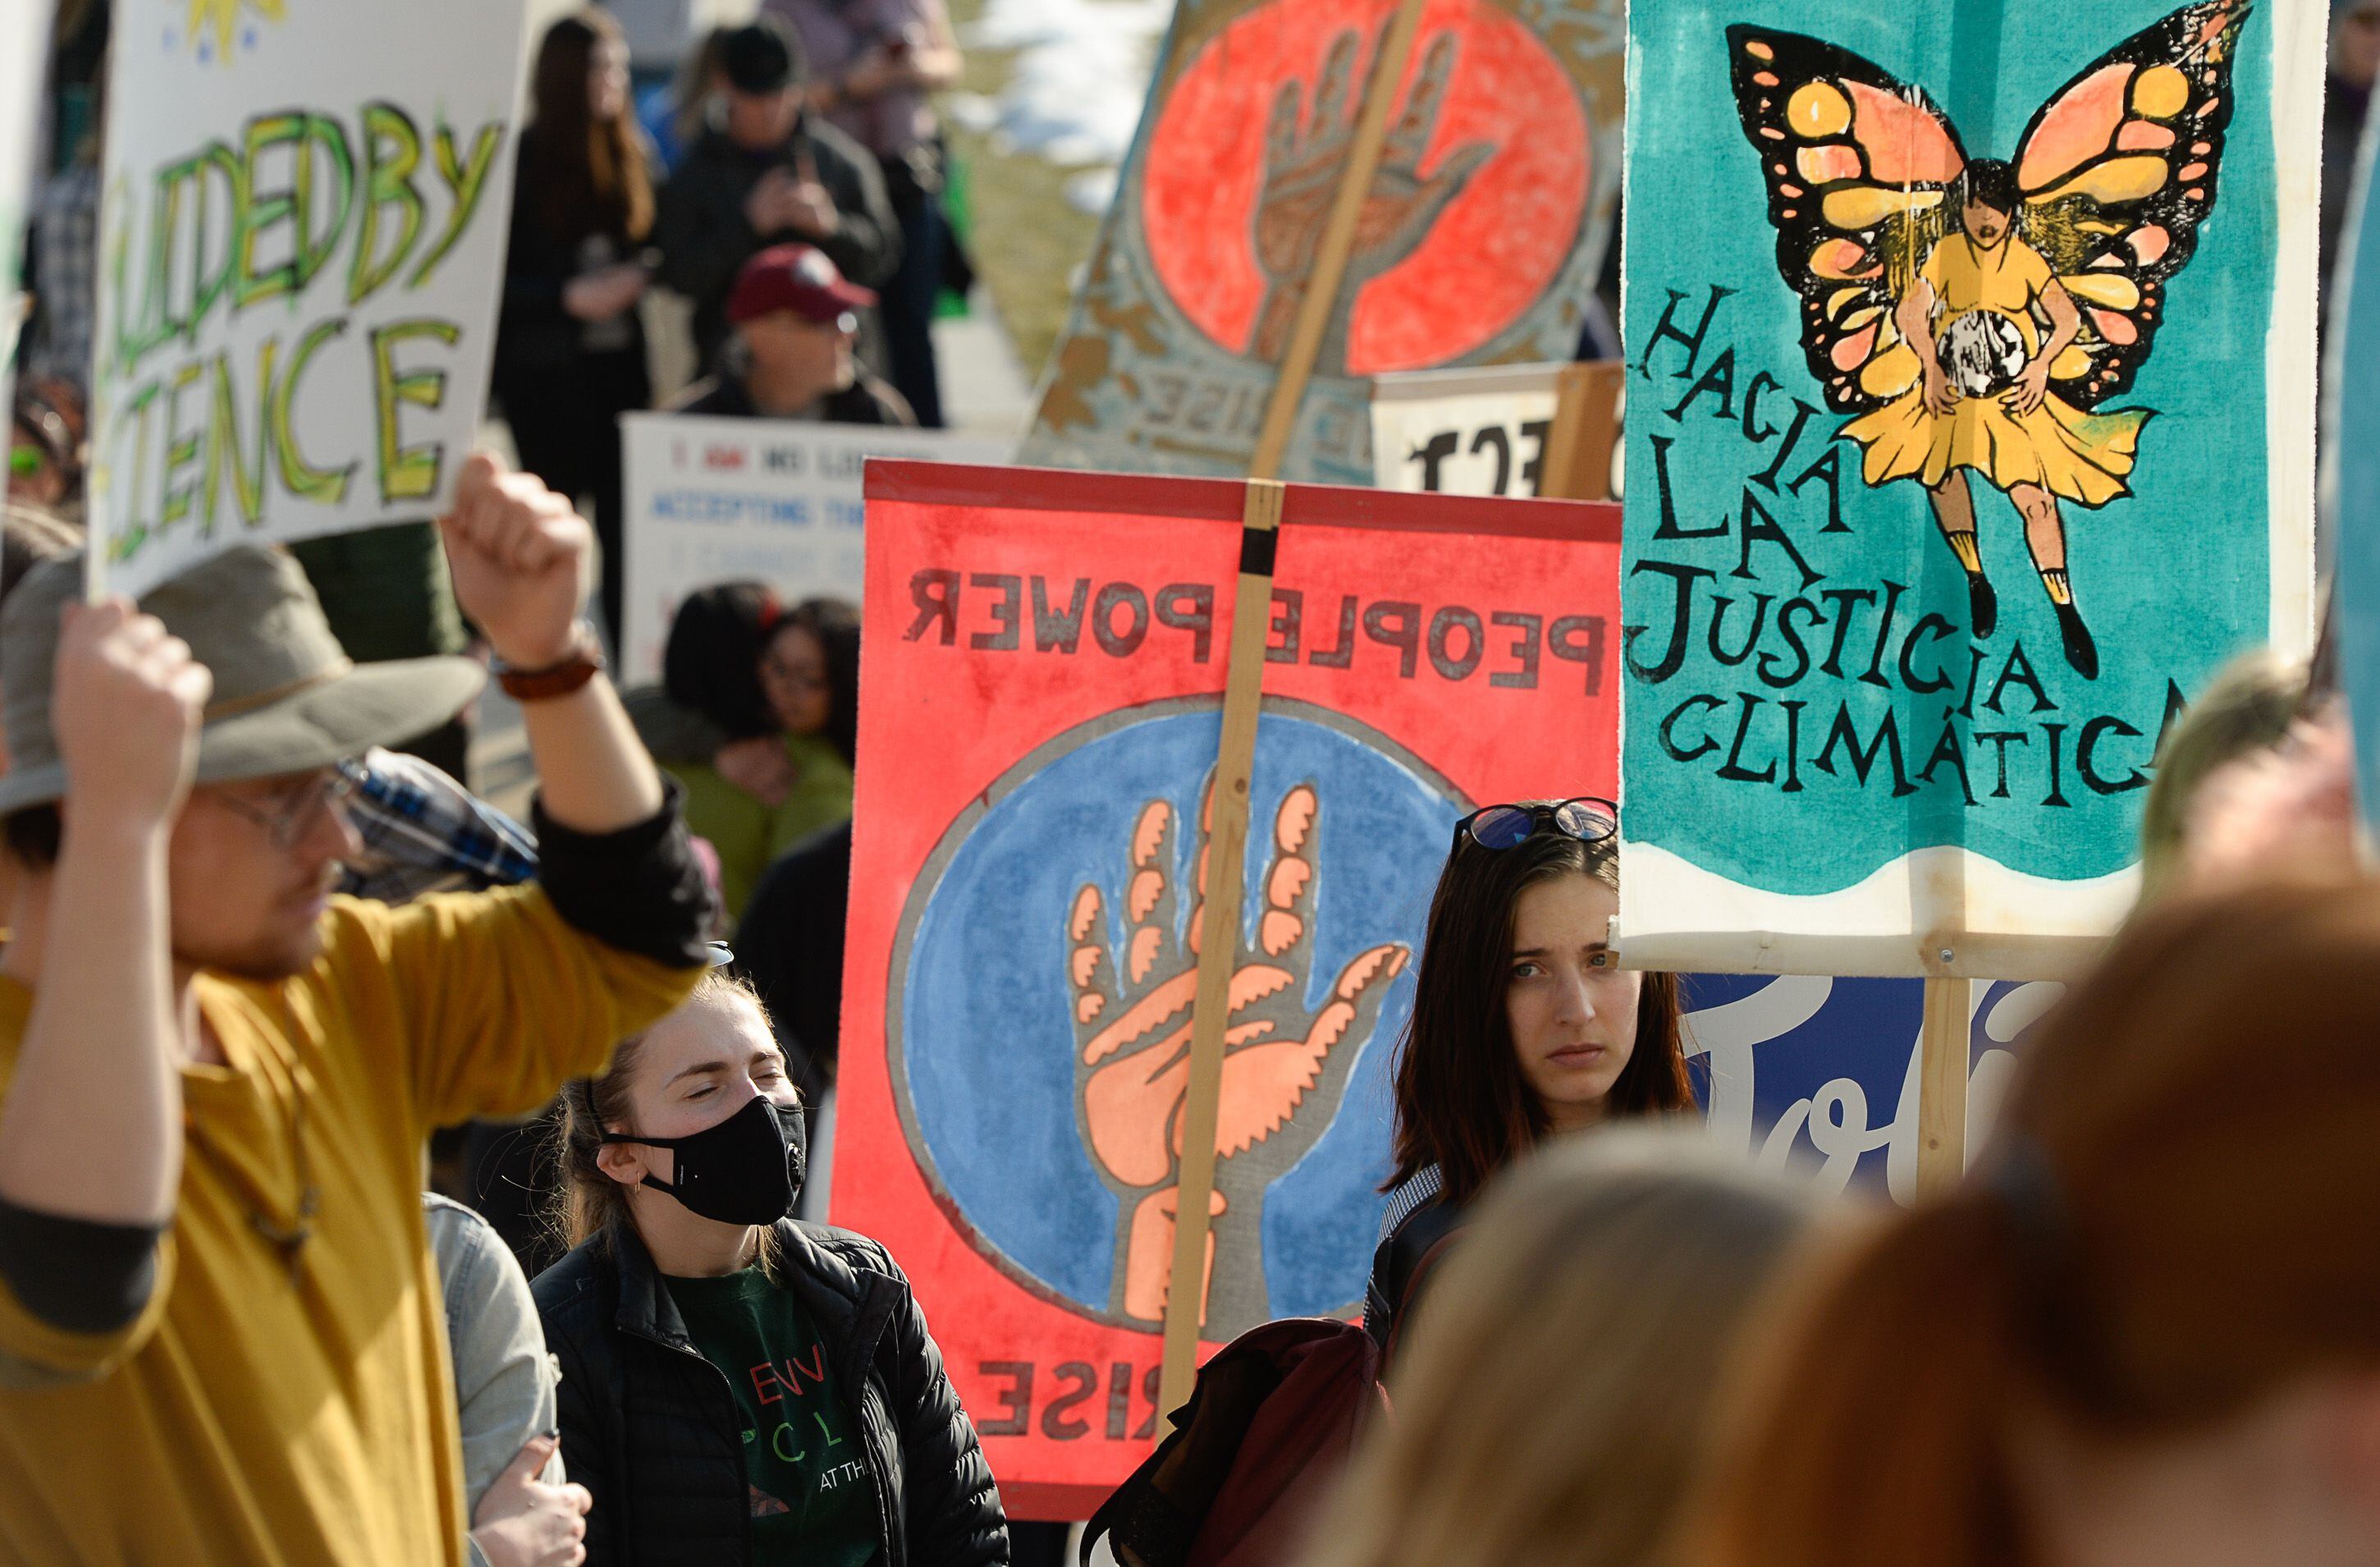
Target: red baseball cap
797 278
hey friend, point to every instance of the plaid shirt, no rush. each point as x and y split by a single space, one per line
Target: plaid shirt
424 832
66 275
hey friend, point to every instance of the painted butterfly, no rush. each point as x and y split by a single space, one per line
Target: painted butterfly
2114 176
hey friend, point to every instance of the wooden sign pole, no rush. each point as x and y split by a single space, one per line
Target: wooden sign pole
1586 424
1219 942
1227 836
1942 1087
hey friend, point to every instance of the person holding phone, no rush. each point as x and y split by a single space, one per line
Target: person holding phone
570 347
874 66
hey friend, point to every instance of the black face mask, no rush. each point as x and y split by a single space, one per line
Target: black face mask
746 1170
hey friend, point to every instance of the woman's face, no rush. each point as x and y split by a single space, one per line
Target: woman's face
700 1065
607 81
792 677
1985 225
1571 1007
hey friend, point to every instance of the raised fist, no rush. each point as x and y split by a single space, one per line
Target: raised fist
519 555
126 708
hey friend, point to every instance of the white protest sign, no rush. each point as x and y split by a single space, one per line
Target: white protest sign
1499 431
301 242
716 500
24 49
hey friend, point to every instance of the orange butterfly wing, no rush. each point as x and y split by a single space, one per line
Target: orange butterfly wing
1858 165
2118 170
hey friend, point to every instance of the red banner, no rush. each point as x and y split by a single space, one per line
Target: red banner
1043 667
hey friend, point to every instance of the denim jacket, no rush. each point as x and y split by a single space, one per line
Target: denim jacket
503 1377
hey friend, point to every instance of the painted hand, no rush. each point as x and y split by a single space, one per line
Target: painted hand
1301 183
1941 397
2032 386
1132 1024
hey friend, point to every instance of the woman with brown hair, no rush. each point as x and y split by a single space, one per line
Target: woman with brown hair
570 348
1517 1438
2148 1329
1523 1026
739 1387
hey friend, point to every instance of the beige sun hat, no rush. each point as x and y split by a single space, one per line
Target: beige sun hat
287 698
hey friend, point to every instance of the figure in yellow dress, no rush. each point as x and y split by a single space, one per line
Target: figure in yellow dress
1975 316
1986 317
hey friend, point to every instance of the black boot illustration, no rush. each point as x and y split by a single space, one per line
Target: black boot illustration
2081 651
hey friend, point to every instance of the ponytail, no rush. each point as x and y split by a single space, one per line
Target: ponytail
587 1201
1873 1413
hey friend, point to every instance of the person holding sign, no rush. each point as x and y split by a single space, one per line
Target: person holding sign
795 353
771 174
1523 1026
220 1324
840 1442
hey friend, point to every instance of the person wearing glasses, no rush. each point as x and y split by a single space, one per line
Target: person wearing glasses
216 1296
795 352
758 717
1524 1026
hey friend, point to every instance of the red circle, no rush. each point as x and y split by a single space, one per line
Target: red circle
1494 250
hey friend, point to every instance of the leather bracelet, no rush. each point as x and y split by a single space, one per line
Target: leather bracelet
583 663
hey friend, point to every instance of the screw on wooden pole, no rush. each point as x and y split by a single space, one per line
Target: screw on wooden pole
1942 1088
1338 245
1218 944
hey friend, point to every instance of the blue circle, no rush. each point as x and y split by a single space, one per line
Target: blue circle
984 1033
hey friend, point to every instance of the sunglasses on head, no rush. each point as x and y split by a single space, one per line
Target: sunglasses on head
1587 818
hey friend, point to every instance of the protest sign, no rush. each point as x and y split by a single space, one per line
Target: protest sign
1046 657
1509 430
24 38
302 236
1925 545
1821 1079
714 500
1476 241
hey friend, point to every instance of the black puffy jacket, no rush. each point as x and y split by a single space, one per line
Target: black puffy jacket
650 1427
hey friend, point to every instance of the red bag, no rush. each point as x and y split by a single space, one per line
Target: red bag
1267 1430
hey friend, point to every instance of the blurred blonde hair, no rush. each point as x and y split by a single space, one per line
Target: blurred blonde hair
2247 707
1550 1405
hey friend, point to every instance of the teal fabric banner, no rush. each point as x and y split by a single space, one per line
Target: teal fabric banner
1970 428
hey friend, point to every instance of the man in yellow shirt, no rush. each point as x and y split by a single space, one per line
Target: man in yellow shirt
220 1335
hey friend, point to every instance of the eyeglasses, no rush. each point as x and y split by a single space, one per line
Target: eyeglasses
285 826
1586 818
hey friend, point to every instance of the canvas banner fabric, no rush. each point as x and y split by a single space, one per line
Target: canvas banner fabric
1925 547
716 500
24 49
1479 240
302 237
1045 655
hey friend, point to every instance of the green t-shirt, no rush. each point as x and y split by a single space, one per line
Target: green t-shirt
813 1501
